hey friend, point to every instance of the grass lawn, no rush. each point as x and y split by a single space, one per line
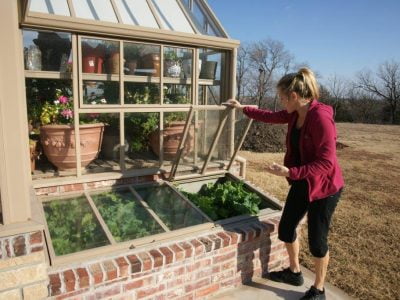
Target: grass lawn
365 231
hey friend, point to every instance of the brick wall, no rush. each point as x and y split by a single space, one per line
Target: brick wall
188 269
23 268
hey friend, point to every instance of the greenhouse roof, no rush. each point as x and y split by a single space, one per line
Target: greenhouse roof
183 16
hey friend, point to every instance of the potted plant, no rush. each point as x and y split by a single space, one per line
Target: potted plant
172 64
57 134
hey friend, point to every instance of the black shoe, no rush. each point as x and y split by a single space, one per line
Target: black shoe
314 294
287 276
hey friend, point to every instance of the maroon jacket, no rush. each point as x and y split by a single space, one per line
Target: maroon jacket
319 165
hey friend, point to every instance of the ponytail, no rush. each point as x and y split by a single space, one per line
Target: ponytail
303 83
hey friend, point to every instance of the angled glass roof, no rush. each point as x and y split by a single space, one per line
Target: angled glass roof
189 16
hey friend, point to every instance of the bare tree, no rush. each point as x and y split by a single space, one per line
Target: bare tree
337 88
385 84
242 69
266 58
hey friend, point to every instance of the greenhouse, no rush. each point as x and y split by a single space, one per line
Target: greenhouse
156 181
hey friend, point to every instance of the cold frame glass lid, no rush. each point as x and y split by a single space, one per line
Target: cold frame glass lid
73 226
125 216
174 211
210 140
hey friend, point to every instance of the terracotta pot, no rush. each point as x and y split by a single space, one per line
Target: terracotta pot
112 63
172 136
92 59
58 142
151 61
132 66
33 153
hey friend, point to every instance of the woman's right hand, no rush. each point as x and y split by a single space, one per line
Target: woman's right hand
233 103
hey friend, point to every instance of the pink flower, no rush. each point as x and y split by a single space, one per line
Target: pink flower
63 99
67 113
94 115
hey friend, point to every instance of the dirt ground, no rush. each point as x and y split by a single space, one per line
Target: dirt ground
365 231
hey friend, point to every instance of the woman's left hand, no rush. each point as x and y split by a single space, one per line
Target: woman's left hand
278 170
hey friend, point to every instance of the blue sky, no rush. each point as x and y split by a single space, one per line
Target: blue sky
333 36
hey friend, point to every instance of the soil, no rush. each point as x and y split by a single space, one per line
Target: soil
264 137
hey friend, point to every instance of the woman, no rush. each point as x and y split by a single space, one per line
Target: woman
310 166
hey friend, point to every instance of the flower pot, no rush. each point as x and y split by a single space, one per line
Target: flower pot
150 62
92 59
58 142
208 69
112 63
172 136
172 69
132 66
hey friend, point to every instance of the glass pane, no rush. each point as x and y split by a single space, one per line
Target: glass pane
100 138
100 56
142 59
174 125
173 210
51 139
73 226
125 217
210 95
177 94
199 15
47 51
142 138
178 62
55 7
141 93
136 13
203 130
100 92
212 63
100 10
171 16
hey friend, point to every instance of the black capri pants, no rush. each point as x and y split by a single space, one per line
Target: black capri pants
319 215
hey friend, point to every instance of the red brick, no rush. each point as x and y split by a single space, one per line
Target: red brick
157 258
72 294
242 234
186 297
250 233
8 248
110 269
55 284
175 282
198 247
199 264
208 290
35 238
46 190
216 241
149 291
136 264
123 266
199 284
97 273
133 285
234 237
169 256
69 280
224 257
19 246
179 271
225 239
257 228
146 261
187 248
83 276
179 253
207 243
72 187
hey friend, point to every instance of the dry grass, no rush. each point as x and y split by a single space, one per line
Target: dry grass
365 235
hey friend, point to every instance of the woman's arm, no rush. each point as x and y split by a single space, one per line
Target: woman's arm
263 115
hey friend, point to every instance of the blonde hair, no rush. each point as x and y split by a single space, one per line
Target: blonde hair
303 83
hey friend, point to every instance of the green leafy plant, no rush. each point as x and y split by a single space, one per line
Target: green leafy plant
133 52
171 55
73 226
140 126
225 200
124 216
